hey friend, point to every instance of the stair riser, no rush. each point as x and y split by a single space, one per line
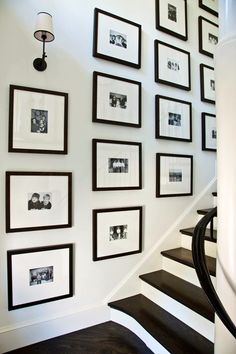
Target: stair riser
214 221
210 247
183 313
214 201
135 327
182 271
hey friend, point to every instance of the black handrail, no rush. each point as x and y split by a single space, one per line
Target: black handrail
199 260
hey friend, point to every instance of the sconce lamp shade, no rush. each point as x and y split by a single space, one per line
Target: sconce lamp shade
44 27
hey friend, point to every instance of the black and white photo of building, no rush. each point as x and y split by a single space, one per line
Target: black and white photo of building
41 275
118 100
117 165
39 121
175 175
118 232
174 119
118 39
172 12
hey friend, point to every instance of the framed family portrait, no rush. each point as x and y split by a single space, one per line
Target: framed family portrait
116 100
172 66
171 17
39 275
38 120
173 119
210 6
38 200
116 39
117 232
208 36
117 165
207 83
174 175
209 134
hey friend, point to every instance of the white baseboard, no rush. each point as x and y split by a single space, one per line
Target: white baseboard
14 338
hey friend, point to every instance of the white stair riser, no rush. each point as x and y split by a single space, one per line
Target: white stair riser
210 247
182 271
183 313
214 221
130 323
214 201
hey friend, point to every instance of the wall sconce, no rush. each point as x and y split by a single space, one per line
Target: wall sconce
44 33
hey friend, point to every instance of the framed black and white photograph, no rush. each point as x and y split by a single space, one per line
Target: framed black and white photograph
174 175
38 120
117 165
210 6
117 232
116 39
171 17
116 100
172 66
208 36
38 200
207 83
209 133
173 119
39 275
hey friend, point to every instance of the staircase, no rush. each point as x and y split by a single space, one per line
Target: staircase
172 313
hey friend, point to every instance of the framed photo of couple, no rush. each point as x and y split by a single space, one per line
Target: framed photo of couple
116 39
38 120
38 200
39 275
117 232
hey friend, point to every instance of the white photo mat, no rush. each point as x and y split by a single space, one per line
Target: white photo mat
22 187
105 111
179 24
105 220
166 107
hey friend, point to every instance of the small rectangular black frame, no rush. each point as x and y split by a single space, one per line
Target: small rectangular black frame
208 36
209 132
207 83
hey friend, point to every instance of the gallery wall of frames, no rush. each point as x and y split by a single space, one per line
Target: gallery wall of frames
102 151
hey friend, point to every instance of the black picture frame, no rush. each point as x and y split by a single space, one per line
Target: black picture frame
38 121
207 83
174 180
205 5
173 119
176 72
167 21
209 132
114 50
22 287
207 45
107 172
113 238
22 215
105 85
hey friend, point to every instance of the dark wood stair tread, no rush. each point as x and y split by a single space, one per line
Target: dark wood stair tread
189 232
184 256
204 211
171 333
182 291
214 194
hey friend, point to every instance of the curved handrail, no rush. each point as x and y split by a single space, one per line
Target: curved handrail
199 260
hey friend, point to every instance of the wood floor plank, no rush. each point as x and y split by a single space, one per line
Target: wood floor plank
105 338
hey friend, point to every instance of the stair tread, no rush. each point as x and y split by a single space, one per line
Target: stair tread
171 333
184 292
184 256
189 232
214 194
204 211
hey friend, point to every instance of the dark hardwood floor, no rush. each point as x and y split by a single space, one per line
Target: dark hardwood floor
105 338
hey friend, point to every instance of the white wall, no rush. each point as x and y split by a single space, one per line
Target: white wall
70 67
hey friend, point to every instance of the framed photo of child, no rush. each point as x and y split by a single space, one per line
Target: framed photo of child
38 120
38 200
